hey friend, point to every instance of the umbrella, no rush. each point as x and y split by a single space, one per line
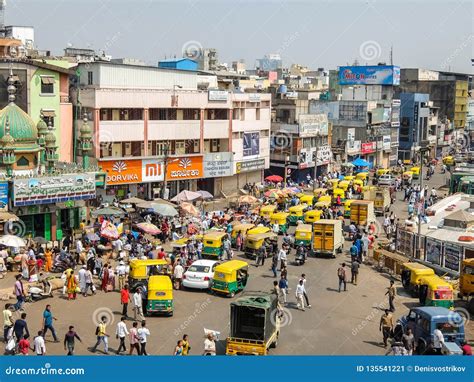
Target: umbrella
132 201
186 196
12 241
7 216
274 178
292 190
109 231
359 162
275 193
205 195
163 209
163 201
109 211
189 209
149 228
248 199
92 237
40 240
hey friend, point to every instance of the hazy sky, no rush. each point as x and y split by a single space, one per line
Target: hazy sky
317 33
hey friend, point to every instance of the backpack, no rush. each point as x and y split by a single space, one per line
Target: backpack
97 330
341 273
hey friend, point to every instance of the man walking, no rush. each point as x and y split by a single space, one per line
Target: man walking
261 254
7 321
227 248
48 323
102 336
121 272
121 332
69 340
282 256
178 276
354 271
408 340
386 326
39 344
134 343
21 327
391 292
275 264
299 295
124 299
283 285
19 292
137 305
341 274
89 282
82 279
143 333
305 294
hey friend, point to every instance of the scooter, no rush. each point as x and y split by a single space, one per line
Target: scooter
36 293
300 258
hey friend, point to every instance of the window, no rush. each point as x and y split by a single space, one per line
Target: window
217 114
47 85
106 114
191 114
90 78
192 146
136 149
161 148
236 114
215 145
180 148
126 149
22 162
257 114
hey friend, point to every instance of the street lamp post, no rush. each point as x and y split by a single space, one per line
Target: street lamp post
165 170
315 175
287 160
422 150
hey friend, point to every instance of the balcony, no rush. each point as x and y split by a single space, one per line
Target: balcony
216 129
121 131
174 130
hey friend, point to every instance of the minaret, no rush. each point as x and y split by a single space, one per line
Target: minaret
85 138
7 146
50 155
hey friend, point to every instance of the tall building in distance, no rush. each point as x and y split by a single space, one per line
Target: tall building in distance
208 59
270 62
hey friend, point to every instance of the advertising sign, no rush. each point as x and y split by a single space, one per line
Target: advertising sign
368 147
452 256
217 95
53 189
369 75
386 142
250 165
184 168
3 196
434 251
217 164
313 124
152 170
130 171
324 155
251 144
353 147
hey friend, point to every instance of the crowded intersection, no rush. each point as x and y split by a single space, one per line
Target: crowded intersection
166 277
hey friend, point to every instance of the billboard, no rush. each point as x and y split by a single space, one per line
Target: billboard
183 168
129 171
251 144
369 75
3 196
217 164
313 124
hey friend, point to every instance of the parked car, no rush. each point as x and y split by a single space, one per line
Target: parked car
386 180
199 275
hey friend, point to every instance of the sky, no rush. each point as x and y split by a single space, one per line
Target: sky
435 34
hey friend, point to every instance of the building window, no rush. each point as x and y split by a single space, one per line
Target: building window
236 114
160 148
126 149
191 114
106 114
257 114
215 145
47 85
90 78
23 162
217 114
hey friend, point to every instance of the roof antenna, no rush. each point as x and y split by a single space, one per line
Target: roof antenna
391 55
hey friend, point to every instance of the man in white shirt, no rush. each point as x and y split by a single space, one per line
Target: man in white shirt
39 345
282 257
121 332
82 279
121 271
137 305
178 275
300 295
79 247
143 333
438 341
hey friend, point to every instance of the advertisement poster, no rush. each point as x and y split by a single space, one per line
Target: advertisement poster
251 144
3 196
434 251
452 256
369 75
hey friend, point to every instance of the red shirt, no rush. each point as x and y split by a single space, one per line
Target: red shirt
466 350
161 255
124 296
24 346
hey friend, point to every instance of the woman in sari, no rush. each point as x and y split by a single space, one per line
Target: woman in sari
105 277
48 260
71 286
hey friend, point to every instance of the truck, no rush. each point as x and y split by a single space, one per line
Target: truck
362 212
381 198
254 324
328 238
466 283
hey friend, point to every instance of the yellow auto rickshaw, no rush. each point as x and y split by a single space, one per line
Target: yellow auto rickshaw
412 274
323 204
280 218
369 188
434 291
320 192
311 216
307 199
332 183
358 182
257 230
416 172
349 178
338 192
213 244
230 277
362 176
254 242
303 235
347 208
449 160
382 171
344 184
267 210
242 229
160 295
296 213
325 198
141 270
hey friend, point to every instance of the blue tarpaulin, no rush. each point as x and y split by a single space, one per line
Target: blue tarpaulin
359 162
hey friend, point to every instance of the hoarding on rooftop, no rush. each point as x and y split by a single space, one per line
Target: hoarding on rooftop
369 75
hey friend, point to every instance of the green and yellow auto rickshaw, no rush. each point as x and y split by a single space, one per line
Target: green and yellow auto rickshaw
213 244
254 242
434 291
242 229
296 213
303 235
230 277
280 218
160 295
311 216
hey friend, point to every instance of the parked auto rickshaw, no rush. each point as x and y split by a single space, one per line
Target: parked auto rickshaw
303 235
466 283
230 277
449 160
416 172
332 183
362 176
347 208
323 204
325 198
382 171
307 199
258 229
141 270
412 274
312 216
213 243
407 177
344 184
349 178
358 182
338 192
242 229
160 295
320 192
434 291
296 213
266 211
254 242
280 218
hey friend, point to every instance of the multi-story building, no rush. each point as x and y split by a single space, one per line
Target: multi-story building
208 59
270 62
154 128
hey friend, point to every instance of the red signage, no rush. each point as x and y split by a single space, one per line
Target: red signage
367 148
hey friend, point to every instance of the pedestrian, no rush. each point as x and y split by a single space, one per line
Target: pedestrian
342 276
144 294
365 246
39 344
48 319
299 295
120 333
71 285
305 294
408 340
276 289
260 257
24 345
19 292
102 336
391 292
20 327
178 350
274 264
209 345
7 321
186 346
386 326
82 279
466 348
137 305
282 256
283 285
133 336
143 334
121 272
354 271
438 341
178 275
397 348
124 299
227 247
70 340
89 282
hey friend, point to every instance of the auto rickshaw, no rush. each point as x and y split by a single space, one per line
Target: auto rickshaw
307 199
338 192
303 235
160 295
230 277
323 204
311 216
358 182
258 229
242 229
254 242
349 178
416 172
434 291
362 176
412 274
332 183
325 198
347 208
344 184
449 160
296 213
407 177
280 218
320 192
141 270
213 243
267 210
382 171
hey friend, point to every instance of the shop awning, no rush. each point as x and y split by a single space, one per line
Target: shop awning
359 162
47 80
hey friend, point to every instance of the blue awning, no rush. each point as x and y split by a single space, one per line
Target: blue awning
359 162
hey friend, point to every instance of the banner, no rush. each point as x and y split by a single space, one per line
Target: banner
3 196
452 256
434 251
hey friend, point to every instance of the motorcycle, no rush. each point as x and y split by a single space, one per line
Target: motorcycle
300 258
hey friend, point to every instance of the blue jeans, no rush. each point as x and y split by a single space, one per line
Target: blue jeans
103 339
53 332
274 270
19 302
342 281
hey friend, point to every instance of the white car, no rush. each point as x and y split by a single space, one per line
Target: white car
199 275
386 180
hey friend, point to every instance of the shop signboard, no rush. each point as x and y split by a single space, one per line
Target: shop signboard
3 196
249 165
452 256
152 170
434 251
184 168
217 95
217 165
130 171
353 147
251 144
368 147
313 124
53 189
